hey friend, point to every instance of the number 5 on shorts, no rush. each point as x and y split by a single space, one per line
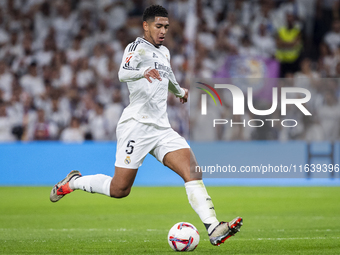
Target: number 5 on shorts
130 147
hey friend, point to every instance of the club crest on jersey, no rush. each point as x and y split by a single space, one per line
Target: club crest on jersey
127 160
154 55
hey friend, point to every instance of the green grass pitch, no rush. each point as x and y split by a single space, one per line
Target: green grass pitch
277 220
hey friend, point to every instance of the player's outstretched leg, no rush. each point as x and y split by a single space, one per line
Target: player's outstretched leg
118 187
62 188
98 183
181 161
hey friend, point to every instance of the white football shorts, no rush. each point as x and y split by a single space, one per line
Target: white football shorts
135 140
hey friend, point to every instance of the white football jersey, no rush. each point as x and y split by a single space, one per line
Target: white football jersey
148 101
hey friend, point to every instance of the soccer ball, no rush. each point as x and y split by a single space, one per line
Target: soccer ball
183 236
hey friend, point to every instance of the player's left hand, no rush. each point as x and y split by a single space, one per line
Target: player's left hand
184 99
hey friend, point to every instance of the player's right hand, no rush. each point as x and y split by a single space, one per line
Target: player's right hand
152 73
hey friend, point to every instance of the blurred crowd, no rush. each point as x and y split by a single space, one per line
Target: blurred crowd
59 59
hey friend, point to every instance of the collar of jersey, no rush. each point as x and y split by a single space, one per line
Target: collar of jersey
147 42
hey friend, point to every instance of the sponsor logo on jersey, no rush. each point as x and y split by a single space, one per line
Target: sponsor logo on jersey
127 160
159 66
154 55
163 70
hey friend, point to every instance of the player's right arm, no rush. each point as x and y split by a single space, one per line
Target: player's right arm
131 68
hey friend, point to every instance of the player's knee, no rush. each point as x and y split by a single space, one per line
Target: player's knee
120 193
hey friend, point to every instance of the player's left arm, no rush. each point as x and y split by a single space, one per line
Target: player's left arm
174 87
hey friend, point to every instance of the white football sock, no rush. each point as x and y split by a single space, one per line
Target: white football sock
201 203
98 183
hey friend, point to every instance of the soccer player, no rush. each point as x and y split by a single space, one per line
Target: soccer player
144 128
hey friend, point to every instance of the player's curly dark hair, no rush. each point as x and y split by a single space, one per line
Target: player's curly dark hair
154 10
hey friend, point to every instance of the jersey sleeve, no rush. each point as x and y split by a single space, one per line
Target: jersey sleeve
174 86
130 69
